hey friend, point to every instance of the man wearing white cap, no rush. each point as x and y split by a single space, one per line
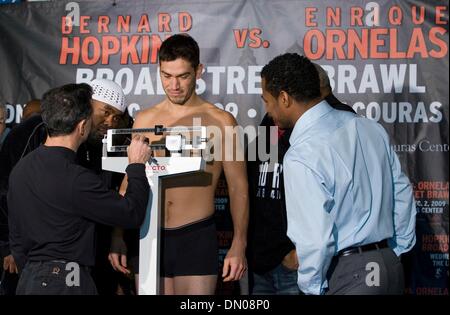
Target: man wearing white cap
109 112
108 103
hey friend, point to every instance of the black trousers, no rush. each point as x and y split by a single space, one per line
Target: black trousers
375 272
52 278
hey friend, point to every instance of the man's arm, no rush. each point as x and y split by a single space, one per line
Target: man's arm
404 209
118 252
235 263
17 246
93 200
310 226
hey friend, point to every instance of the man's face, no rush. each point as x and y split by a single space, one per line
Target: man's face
178 79
104 117
274 108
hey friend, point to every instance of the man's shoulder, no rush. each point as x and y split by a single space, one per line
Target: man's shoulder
26 127
23 164
223 117
82 176
308 147
371 128
149 113
331 123
151 110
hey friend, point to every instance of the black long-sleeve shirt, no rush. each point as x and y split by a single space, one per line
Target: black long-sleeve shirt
54 204
267 239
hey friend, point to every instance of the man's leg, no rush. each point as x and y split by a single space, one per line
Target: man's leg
169 286
191 258
369 273
349 276
395 272
105 278
51 278
136 283
263 284
285 281
195 285
244 284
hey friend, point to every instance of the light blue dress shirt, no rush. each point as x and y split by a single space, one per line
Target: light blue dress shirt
344 187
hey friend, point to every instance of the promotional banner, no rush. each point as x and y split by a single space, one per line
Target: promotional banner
388 59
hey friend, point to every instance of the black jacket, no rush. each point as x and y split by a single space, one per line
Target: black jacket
267 239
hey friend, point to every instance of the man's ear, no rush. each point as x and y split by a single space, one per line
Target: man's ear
284 99
199 71
82 127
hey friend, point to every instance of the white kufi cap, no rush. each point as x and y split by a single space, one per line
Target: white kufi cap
109 92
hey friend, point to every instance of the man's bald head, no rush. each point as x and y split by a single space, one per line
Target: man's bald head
325 87
31 107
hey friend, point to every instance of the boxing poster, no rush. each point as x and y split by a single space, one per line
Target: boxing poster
388 59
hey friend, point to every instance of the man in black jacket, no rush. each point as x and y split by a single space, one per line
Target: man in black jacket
54 202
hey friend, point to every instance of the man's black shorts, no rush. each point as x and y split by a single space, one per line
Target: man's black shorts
190 250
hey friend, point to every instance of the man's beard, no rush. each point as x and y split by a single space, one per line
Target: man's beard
95 136
182 101
178 101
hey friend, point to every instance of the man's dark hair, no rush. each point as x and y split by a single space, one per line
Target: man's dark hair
180 46
64 107
294 74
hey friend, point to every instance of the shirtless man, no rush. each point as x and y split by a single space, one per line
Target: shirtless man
190 258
